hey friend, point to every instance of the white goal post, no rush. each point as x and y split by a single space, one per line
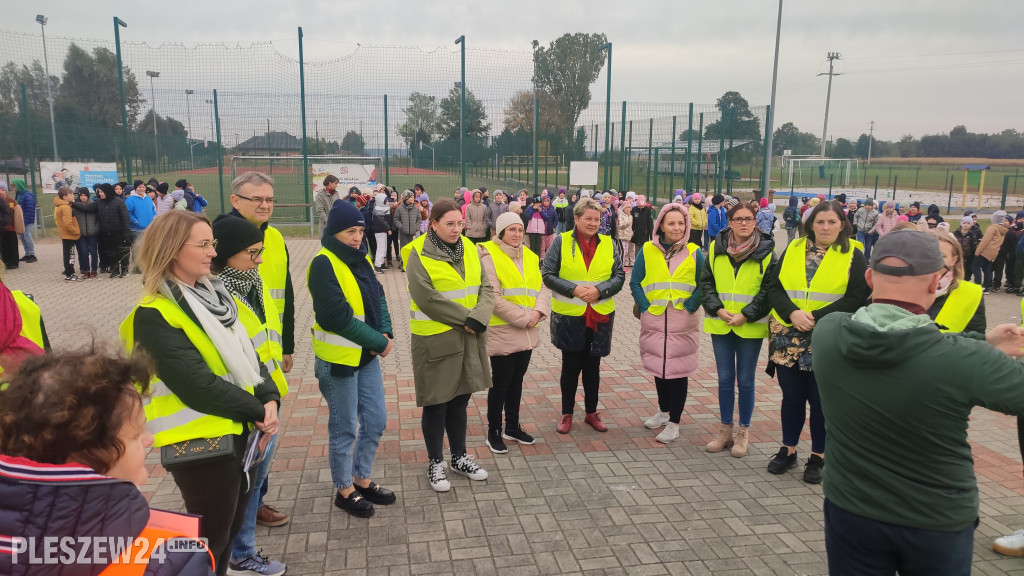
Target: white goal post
800 170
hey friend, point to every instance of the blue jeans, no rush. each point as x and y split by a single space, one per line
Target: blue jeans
244 544
27 241
736 360
800 388
353 401
868 240
862 546
980 265
88 254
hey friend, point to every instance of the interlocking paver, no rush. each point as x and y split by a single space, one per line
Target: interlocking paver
586 503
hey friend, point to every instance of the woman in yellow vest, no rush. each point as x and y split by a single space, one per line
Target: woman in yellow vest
513 271
239 246
736 300
451 302
584 272
665 283
959 305
22 334
351 334
816 275
82 459
209 382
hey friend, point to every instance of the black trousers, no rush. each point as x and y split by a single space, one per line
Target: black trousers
1008 263
9 248
535 240
217 492
506 391
393 246
672 396
69 255
449 417
574 363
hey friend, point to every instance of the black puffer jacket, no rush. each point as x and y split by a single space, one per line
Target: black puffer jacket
46 500
643 224
759 307
568 332
113 216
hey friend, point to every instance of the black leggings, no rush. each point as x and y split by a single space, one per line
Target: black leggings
439 418
672 396
535 241
573 363
217 492
507 388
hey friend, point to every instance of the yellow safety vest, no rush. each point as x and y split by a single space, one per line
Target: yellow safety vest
329 346
416 244
31 318
736 290
575 270
854 243
828 284
274 272
167 417
662 287
259 335
960 306
520 288
447 281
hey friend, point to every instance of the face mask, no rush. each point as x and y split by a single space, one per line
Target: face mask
944 283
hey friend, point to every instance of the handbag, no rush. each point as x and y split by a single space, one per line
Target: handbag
197 451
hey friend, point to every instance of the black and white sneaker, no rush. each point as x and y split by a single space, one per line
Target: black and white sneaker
494 442
72 278
464 464
437 477
516 433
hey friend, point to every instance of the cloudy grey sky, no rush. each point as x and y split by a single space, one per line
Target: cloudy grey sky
912 66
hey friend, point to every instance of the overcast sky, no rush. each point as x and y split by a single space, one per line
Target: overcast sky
912 66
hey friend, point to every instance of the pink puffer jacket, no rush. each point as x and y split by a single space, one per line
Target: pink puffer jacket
668 343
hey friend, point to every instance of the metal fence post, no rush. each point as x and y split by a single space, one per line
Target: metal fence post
622 147
387 149
536 143
766 173
688 178
220 152
28 135
650 154
305 148
125 148
700 151
672 163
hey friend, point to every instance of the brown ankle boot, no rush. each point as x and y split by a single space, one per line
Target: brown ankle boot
739 448
722 441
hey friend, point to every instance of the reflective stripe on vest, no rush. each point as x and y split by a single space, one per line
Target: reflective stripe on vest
959 308
736 289
575 270
519 288
828 284
260 338
329 346
168 418
453 287
664 288
274 269
31 318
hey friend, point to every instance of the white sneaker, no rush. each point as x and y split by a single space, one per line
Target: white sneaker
1012 545
467 467
670 433
437 477
657 421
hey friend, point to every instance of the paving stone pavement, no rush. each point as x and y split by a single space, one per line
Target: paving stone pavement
584 503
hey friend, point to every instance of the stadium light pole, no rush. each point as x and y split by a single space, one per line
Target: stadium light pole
608 118
188 111
49 91
118 24
766 174
152 94
461 40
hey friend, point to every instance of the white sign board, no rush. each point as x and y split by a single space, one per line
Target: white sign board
53 175
362 175
583 173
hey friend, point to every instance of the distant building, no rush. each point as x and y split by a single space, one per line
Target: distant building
270 144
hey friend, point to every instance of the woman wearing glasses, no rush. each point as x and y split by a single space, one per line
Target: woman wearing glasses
209 382
736 302
450 305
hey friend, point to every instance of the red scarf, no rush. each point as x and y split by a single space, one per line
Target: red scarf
587 250
14 348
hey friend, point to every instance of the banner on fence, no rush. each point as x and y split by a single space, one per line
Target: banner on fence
53 175
583 173
362 175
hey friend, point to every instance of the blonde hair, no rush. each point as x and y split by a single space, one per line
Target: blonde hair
958 251
160 243
584 204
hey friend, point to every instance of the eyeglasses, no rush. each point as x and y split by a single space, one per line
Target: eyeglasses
204 244
258 200
254 253
458 225
743 220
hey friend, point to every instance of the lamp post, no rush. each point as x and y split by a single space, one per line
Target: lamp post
462 111
188 111
766 173
152 93
608 118
49 91
213 133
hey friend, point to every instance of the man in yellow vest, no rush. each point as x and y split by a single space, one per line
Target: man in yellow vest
252 197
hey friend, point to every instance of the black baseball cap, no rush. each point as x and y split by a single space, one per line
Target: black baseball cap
918 250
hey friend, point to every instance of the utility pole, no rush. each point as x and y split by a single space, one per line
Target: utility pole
766 173
832 57
871 136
